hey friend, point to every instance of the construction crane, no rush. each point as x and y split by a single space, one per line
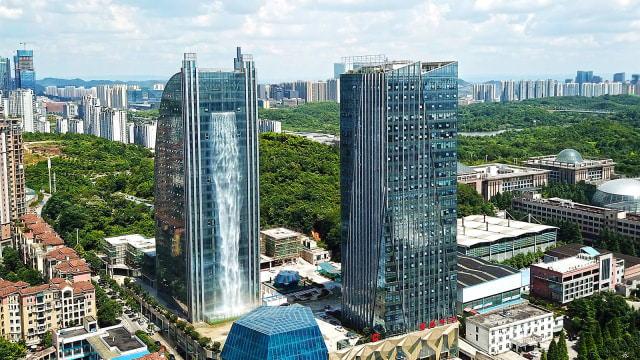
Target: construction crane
24 44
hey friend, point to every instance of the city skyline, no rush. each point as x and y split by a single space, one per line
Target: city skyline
112 39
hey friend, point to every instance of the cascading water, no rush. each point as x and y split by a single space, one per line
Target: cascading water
226 177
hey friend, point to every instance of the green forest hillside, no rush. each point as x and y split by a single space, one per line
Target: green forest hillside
322 117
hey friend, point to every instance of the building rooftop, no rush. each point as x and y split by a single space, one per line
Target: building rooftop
280 233
497 171
569 264
508 315
575 249
282 319
570 156
476 229
474 271
628 187
125 239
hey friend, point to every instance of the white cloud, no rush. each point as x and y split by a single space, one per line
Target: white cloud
293 39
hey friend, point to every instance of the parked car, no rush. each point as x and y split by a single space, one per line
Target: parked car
158 343
528 356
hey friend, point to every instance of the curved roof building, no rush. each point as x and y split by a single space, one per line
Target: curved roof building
621 194
569 156
276 333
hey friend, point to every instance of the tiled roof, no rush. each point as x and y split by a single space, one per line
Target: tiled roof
82 286
73 266
21 284
31 219
40 228
8 291
28 235
46 236
34 289
153 356
54 241
62 254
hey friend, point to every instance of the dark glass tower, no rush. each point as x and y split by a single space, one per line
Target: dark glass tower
5 77
206 190
398 131
25 76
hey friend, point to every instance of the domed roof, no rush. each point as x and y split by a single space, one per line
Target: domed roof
569 156
287 278
628 187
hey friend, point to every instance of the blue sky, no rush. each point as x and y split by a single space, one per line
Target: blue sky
301 39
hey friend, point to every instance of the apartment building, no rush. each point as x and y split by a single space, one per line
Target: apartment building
29 311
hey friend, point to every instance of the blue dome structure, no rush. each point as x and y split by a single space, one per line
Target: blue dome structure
569 156
621 194
286 279
276 333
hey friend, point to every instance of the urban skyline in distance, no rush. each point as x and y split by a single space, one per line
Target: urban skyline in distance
491 40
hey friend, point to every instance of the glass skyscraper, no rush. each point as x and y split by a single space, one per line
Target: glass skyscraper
206 190
5 76
398 132
25 76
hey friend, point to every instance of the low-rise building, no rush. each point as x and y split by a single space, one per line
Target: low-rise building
125 254
483 285
313 254
280 244
491 179
88 342
574 277
570 166
627 273
492 238
510 328
591 219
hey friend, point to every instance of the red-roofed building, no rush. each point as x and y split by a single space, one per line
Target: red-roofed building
55 257
73 270
29 311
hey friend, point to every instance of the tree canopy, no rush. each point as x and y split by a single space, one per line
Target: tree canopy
322 117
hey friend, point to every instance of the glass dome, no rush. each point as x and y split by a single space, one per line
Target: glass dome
287 279
623 194
569 156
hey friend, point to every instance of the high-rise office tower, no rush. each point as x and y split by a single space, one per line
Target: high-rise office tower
333 90
584 77
619 77
338 68
525 90
91 115
508 92
398 154
22 104
550 88
119 96
207 190
113 124
5 76
12 183
25 75
484 92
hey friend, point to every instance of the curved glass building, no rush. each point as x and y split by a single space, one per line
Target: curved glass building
621 194
206 190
